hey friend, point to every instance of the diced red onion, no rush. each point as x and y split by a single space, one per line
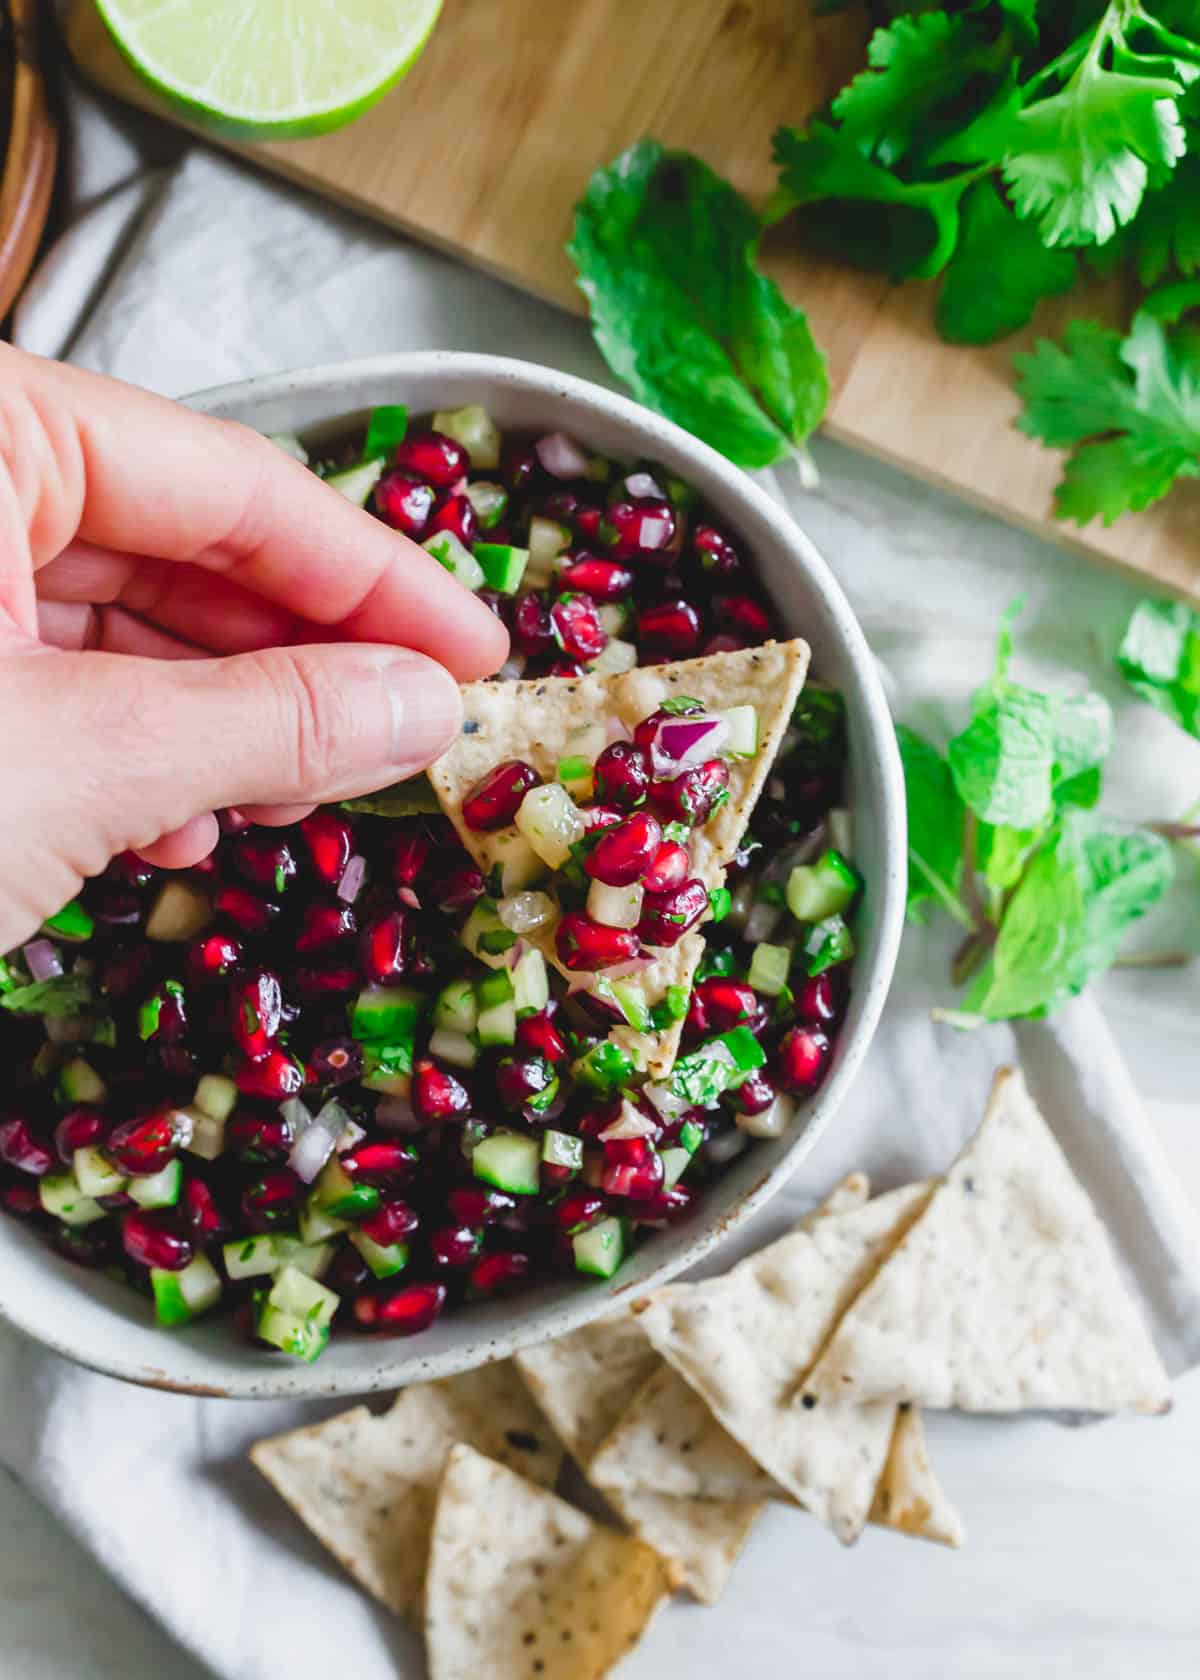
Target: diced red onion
353 876
561 456
42 959
665 1101
315 1143
760 923
656 532
681 742
350 1136
512 668
407 896
395 1114
630 1123
726 1146
618 971
643 487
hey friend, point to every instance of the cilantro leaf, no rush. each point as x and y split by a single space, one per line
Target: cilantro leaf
65 994
999 271
666 253
1167 231
935 828
1159 658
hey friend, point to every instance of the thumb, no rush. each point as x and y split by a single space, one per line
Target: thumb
114 751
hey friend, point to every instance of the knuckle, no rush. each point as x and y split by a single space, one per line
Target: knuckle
312 714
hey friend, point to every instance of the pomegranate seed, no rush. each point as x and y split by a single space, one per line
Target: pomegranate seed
588 521
645 732
754 1095
633 527
532 627
259 1137
726 1003
672 626
583 944
561 505
393 1222
20 1148
817 1002
162 1018
622 854
801 1059
149 1241
277 1076
456 515
577 627
255 1009
128 870
639 1180
725 641
461 887
437 1094
145 1146
667 868
212 957
247 912
330 841
495 801
433 456
603 580
743 614
200 1211
578 1210
409 856
405 1312
336 1061
522 1079
519 465
601 816
691 796
383 947
313 984
471 1204
325 925
20 1201
266 864
404 503
715 552
380 1163
566 668
81 1128
455 1245
496 1273
665 1204
666 917
125 972
539 1035
348 1272
696 1021
622 774
272 1199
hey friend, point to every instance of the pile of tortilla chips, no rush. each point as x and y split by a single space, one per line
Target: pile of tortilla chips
798 1376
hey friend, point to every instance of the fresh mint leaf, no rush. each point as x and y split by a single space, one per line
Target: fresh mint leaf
65 994
1001 854
667 257
386 428
1003 762
1083 732
935 828
1159 658
999 272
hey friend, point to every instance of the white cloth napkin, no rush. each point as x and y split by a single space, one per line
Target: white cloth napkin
210 273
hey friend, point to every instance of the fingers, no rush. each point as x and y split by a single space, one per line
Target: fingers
185 845
131 473
108 629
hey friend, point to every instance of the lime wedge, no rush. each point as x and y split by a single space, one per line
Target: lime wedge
271 69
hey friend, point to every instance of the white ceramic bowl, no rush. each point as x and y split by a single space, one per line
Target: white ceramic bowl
100 1324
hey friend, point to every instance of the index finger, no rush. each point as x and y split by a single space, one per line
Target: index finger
138 474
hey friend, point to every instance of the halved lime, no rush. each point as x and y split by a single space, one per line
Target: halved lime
271 69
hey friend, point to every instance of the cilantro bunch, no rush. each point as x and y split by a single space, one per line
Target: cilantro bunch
1005 838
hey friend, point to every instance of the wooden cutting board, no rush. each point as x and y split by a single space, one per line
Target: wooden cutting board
485 147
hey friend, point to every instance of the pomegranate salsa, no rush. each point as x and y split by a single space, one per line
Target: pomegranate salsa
342 1076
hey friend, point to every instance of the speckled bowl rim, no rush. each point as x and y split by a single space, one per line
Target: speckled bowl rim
99 1324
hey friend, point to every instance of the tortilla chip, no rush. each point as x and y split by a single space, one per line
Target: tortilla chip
522 1586
366 1486
909 1496
699 1540
746 1341
534 721
851 1193
1004 1296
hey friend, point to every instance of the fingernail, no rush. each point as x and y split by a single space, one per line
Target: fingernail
426 710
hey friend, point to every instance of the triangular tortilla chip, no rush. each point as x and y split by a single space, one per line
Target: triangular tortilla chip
534 721
746 1341
522 1586
1004 1296
366 1486
909 1496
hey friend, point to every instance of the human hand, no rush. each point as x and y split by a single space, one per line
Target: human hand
191 620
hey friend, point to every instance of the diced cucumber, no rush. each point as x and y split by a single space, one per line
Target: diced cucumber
742 723
769 967
841 830
675 1163
503 565
547 540
315 1225
387 428
518 863
818 890
72 923
551 821
157 1190
577 776
630 999
291 1334
384 1260
181 1296
616 656
453 1047
387 1067
251 1257
497 1022
296 1314
509 1161
80 1083
619 907
61 1197
561 1149
456 1008
600 1249
829 942
216 1095
207 1137
475 429
295 1292
691 1136
494 989
313 1259
179 913
95 1174
386 1012
485 935
531 983
614 617
604 1067
457 559
357 483
489 501
341 1196
523 912
290 444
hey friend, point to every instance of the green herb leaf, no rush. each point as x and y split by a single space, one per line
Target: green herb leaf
1083 731
935 828
65 994
1166 233
1003 762
1000 270
667 257
1001 853
719 900
414 797
1159 658
385 429
679 705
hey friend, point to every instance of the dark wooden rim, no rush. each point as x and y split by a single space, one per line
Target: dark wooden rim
31 151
